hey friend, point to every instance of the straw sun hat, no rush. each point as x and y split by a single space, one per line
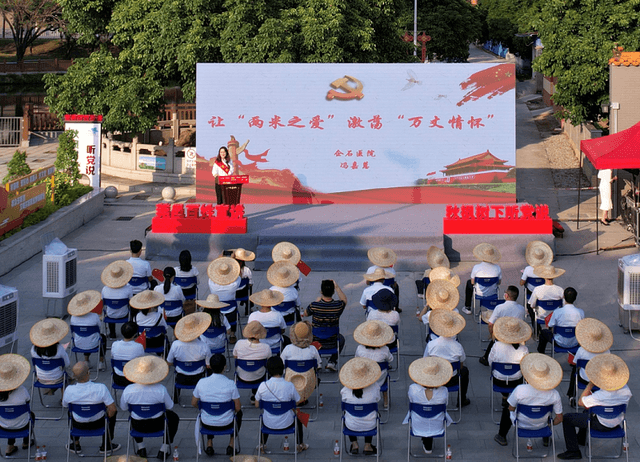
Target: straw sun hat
282 274
301 334
48 331
547 271
608 372
223 270
267 297
123 458
14 370
212 302
244 255
446 323
431 372
511 330
245 458
487 253
146 299
286 251
84 302
382 257
359 373
541 371
442 294
379 273
436 258
117 274
538 253
254 330
192 326
146 370
442 273
594 335
374 334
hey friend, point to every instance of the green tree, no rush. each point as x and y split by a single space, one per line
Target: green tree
578 38
66 164
17 166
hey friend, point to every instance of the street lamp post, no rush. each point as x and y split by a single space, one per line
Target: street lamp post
415 28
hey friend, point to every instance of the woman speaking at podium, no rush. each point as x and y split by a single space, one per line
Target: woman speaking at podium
221 167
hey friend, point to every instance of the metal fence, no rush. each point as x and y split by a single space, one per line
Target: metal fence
10 131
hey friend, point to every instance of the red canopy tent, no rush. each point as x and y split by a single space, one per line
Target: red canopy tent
618 151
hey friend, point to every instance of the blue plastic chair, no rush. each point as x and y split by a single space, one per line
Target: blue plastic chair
386 387
233 305
218 409
187 366
279 408
395 350
137 281
213 332
85 331
506 369
283 307
154 332
249 365
568 333
13 412
185 282
114 303
301 366
360 410
146 411
534 412
547 305
47 364
273 332
87 411
535 282
609 412
484 282
323 333
427 411
581 364
243 293
170 305
119 363
488 305
456 388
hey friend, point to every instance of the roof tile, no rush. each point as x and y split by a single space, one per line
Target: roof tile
626 58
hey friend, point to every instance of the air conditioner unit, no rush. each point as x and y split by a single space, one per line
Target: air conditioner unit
59 274
629 292
8 318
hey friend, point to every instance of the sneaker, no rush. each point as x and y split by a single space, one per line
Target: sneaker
102 366
74 447
113 447
466 402
570 455
332 367
466 310
164 455
427 451
142 452
501 440
483 361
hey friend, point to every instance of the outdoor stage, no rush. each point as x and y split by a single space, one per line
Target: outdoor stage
337 237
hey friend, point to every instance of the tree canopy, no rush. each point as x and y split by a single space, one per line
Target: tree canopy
578 38
144 46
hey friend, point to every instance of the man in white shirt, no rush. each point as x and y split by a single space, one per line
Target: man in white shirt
126 350
609 373
269 318
277 389
224 281
377 279
217 388
141 268
510 308
87 392
81 309
489 255
115 278
567 316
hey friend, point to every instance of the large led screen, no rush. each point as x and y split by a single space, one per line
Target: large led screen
359 133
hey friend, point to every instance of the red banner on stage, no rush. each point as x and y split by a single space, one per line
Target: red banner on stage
497 219
199 219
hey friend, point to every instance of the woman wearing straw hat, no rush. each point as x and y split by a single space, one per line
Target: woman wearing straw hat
359 377
566 316
385 258
447 325
537 253
46 336
377 283
224 281
385 301
14 370
610 374
511 335
595 338
115 278
283 277
441 294
270 319
489 255
251 347
172 292
189 347
242 256
301 349
212 306
150 315
547 291
373 337
147 374
80 308
543 374
430 375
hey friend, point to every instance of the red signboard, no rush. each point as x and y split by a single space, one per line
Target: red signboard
199 219
497 219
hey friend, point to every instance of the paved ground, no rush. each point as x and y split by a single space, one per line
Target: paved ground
594 276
